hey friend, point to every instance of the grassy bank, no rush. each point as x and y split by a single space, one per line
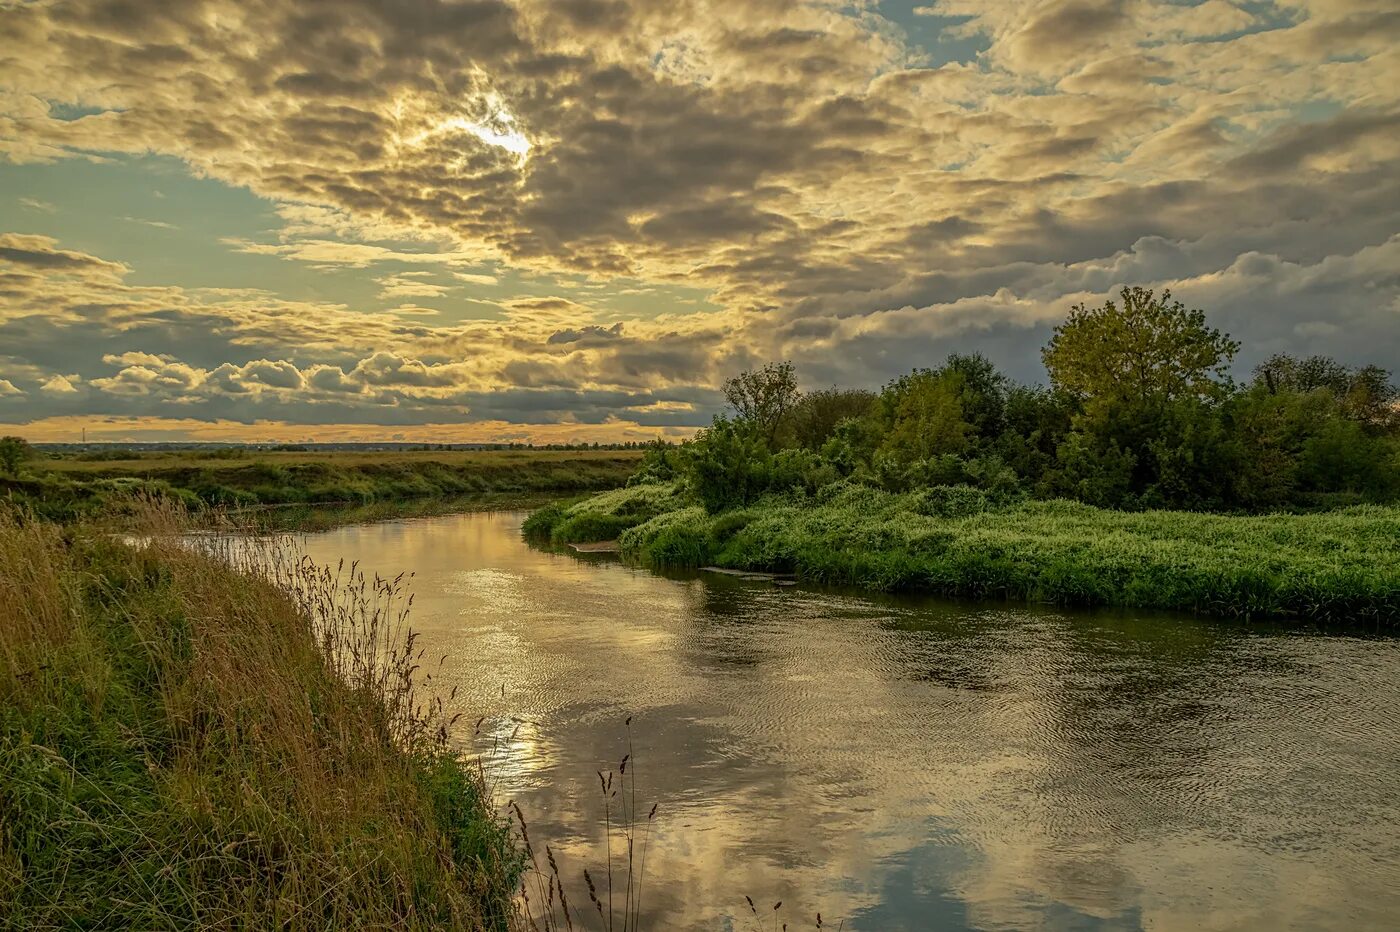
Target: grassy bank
65 489
183 745
1340 566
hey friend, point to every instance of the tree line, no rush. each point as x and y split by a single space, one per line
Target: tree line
1140 412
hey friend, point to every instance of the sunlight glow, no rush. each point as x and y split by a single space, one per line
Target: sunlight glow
500 133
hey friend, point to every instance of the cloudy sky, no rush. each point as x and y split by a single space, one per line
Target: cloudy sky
570 219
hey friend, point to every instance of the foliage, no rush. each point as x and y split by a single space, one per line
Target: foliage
728 465
947 480
924 416
660 463
814 418
1364 394
14 451
1146 351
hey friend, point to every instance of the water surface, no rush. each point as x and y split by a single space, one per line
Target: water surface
915 764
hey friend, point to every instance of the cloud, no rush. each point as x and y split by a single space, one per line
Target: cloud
586 334
42 253
806 170
8 388
407 286
59 385
351 255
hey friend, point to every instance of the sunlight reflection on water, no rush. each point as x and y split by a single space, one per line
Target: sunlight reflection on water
911 764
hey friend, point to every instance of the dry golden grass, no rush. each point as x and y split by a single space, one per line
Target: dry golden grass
225 735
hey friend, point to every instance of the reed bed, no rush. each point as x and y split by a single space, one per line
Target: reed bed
220 734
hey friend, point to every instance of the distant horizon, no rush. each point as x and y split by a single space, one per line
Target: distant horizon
518 220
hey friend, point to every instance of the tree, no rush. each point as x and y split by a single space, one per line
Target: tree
1147 376
1037 421
926 416
13 452
1366 394
1284 373
1148 351
761 397
983 393
814 418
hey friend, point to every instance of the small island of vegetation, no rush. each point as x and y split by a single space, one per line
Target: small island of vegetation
1141 476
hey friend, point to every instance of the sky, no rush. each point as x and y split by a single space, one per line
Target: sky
571 220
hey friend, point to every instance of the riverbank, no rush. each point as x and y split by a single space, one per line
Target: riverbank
1333 567
183 745
73 488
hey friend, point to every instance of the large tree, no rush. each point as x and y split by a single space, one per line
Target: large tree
1143 352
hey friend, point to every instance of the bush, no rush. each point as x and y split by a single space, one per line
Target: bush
14 451
950 501
728 466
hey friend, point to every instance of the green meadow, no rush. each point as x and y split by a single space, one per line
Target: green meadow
78 486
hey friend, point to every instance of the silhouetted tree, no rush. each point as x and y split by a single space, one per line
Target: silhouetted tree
761 397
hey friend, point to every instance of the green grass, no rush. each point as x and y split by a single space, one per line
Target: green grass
68 489
183 746
1333 567
600 517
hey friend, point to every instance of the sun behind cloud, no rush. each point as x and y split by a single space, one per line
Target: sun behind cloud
575 217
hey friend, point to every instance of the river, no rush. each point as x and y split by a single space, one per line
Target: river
908 763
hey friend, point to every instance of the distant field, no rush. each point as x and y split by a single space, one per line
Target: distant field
73 487
156 462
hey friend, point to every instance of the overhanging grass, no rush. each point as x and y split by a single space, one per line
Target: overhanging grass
600 517
186 746
1333 567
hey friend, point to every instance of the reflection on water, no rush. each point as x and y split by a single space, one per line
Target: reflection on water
909 764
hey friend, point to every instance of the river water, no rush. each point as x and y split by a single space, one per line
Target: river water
906 763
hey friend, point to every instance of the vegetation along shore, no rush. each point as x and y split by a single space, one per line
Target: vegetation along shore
76 486
1142 476
234 739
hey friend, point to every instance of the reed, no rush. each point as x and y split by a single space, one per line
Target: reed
623 872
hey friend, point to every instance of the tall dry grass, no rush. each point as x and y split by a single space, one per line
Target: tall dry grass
221 734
